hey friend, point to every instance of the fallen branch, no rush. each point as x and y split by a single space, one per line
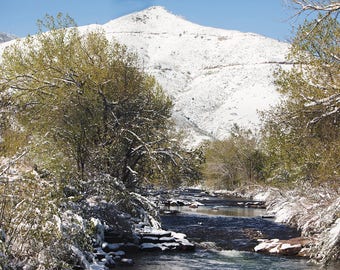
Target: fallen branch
11 162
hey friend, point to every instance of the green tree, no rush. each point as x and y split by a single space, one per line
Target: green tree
85 105
234 161
302 134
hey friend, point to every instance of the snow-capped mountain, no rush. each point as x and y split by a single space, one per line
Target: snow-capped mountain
215 77
6 37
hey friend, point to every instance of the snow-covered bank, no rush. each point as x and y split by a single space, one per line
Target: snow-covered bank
314 211
44 225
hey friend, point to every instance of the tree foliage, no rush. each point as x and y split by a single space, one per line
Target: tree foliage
234 161
302 134
85 105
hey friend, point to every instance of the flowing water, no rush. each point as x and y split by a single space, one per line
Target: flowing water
225 235
218 260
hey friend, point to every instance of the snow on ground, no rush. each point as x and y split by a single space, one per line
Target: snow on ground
314 211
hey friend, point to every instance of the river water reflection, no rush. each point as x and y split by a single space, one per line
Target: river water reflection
223 211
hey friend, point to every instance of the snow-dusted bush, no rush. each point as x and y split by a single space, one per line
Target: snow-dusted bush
41 228
29 210
314 211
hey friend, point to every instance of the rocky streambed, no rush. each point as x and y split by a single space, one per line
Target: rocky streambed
201 230
116 248
228 223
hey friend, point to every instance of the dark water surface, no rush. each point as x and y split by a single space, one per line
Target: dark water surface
225 236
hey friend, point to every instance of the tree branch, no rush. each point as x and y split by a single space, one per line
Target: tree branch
328 7
11 162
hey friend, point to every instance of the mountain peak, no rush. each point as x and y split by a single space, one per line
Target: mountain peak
152 19
153 13
157 9
6 37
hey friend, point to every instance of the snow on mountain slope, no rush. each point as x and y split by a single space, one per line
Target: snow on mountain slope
215 77
6 37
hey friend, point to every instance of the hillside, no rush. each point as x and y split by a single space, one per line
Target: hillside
215 77
6 37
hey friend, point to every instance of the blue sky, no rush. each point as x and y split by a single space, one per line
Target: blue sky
266 17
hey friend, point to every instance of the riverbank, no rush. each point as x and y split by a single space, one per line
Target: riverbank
313 211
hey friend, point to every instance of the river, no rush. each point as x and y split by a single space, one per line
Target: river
225 235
